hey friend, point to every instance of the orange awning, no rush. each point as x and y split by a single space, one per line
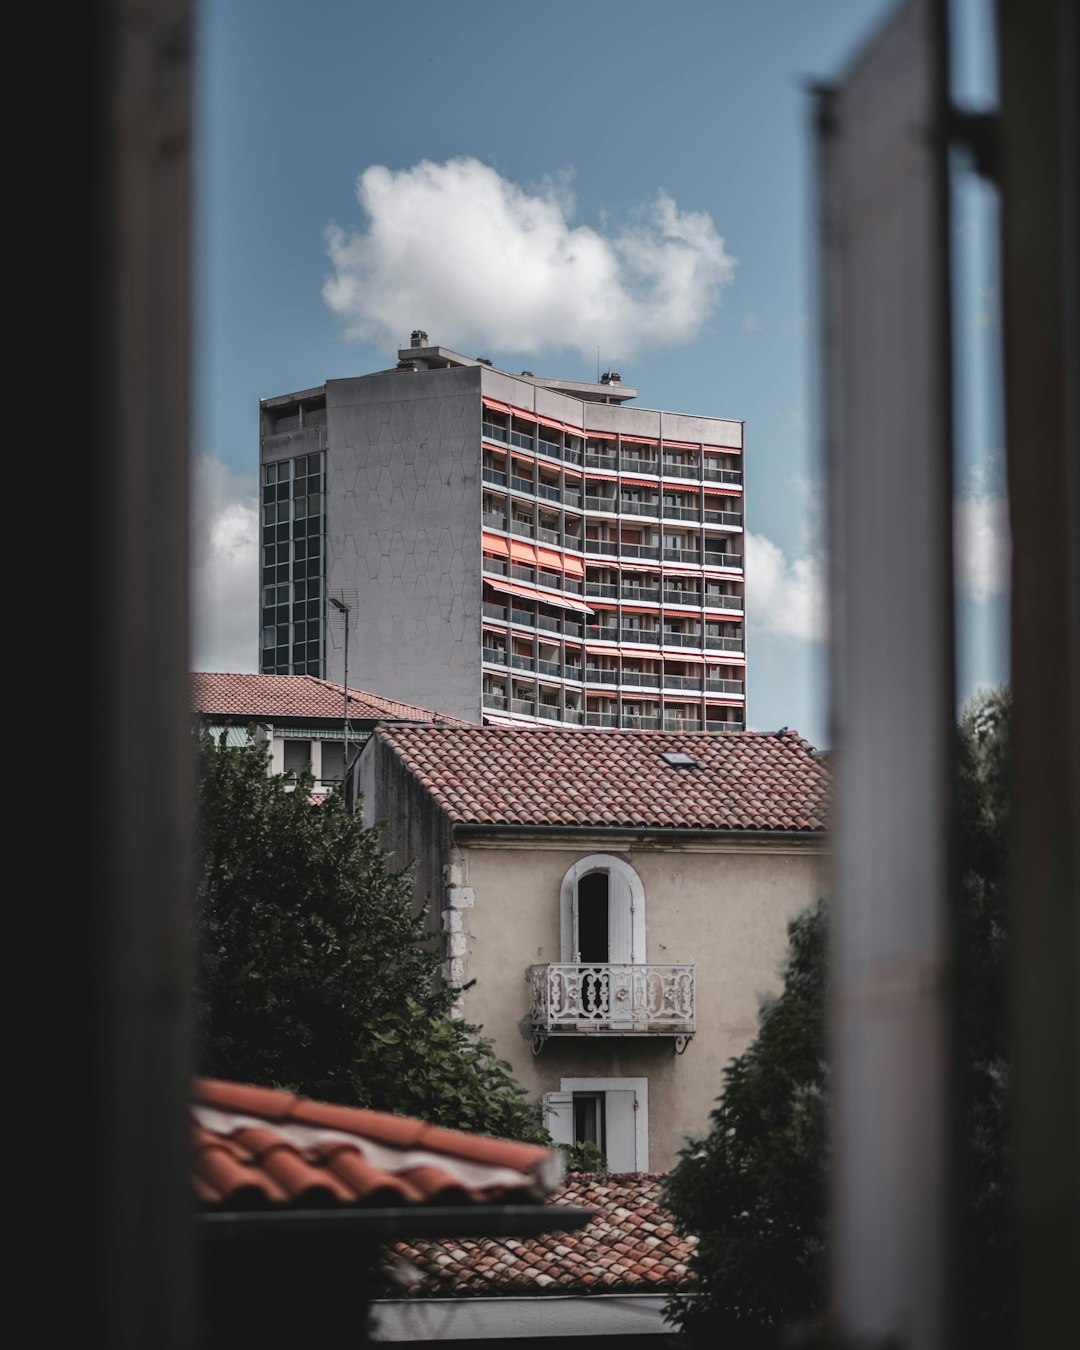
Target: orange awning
523 454
522 552
573 430
637 609
600 435
494 403
524 412
640 482
680 445
549 422
530 593
637 697
549 558
642 440
600 473
596 645
723 449
723 492
495 545
573 567
681 698
680 484
692 657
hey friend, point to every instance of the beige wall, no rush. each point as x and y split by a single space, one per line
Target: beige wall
722 906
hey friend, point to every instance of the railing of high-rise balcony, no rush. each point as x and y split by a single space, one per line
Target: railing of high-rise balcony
732 724
495 655
723 518
712 475
722 559
634 464
675 638
682 681
551 493
640 593
601 719
600 503
713 601
680 470
682 723
497 520
594 675
644 1000
713 686
491 611
642 508
723 644
616 549
601 589
523 705
640 679
549 710
522 484
494 433
641 721
521 440
547 535
495 476
493 700
573 715
675 512
683 596
523 527
595 461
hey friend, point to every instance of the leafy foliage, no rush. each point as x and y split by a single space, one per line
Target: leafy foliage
583 1157
315 974
754 1190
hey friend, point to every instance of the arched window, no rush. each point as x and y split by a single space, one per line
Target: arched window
603 912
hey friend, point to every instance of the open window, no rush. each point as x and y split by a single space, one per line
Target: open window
603 912
612 1113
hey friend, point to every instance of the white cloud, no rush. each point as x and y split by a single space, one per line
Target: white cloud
785 597
751 323
224 572
981 544
481 263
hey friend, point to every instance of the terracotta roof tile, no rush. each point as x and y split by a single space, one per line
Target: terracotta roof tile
630 1245
256 1147
269 696
541 776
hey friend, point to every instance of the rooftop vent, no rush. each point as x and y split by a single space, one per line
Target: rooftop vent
529 373
678 759
610 377
419 338
484 360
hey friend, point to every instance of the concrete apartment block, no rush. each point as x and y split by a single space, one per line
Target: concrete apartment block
511 548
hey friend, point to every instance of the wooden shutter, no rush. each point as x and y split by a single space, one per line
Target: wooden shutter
621 1131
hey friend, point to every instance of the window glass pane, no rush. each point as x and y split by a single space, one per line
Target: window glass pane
300 548
314 567
300 632
282 531
269 473
283 492
313 652
270 637
333 758
297 756
300 590
283 572
589 1118
314 608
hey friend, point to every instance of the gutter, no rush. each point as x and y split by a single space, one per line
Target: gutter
420 1221
640 831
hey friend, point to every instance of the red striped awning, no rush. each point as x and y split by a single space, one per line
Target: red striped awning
677 655
640 482
522 552
638 609
549 422
600 435
681 445
531 593
524 455
685 697
723 491
573 430
496 545
494 403
573 567
722 449
642 440
601 473
524 413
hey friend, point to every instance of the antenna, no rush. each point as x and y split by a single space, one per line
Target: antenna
598 363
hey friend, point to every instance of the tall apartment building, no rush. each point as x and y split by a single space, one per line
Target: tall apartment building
511 548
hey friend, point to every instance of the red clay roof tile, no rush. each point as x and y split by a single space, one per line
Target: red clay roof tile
221 694
256 1146
534 777
614 1251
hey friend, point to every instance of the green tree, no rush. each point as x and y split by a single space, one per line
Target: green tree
754 1189
314 973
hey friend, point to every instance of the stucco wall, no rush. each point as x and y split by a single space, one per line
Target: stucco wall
403 527
723 907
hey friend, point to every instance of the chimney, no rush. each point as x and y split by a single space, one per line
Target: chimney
419 338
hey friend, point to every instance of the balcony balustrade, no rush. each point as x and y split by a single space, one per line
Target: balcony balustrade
615 1000
723 559
547 490
615 548
643 508
640 593
682 724
677 512
594 675
724 686
491 611
640 679
549 710
492 700
601 589
714 601
682 682
644 722
522 484
550 448
734 724
683 597
674 638
495 519
521 440
733 518
724 644
494 433
600 503
495 655
519 662
722 475
524 527
601 719
632 464
572 715
548 536
495 476
594 461
680 470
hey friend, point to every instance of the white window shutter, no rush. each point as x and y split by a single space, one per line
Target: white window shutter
559 1116
620 923
621 1131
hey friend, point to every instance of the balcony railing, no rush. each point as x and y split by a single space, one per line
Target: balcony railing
494 433
495 476
723 518
712 475
713 601
618 1000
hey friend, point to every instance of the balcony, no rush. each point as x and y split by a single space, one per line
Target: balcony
610 1000
713 475
494 433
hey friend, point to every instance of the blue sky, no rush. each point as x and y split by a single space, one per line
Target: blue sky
596 106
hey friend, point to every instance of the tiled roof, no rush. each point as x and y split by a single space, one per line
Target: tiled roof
629 1246
524 776
269 696
256 1148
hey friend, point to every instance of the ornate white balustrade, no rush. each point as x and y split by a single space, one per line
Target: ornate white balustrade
631 1000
